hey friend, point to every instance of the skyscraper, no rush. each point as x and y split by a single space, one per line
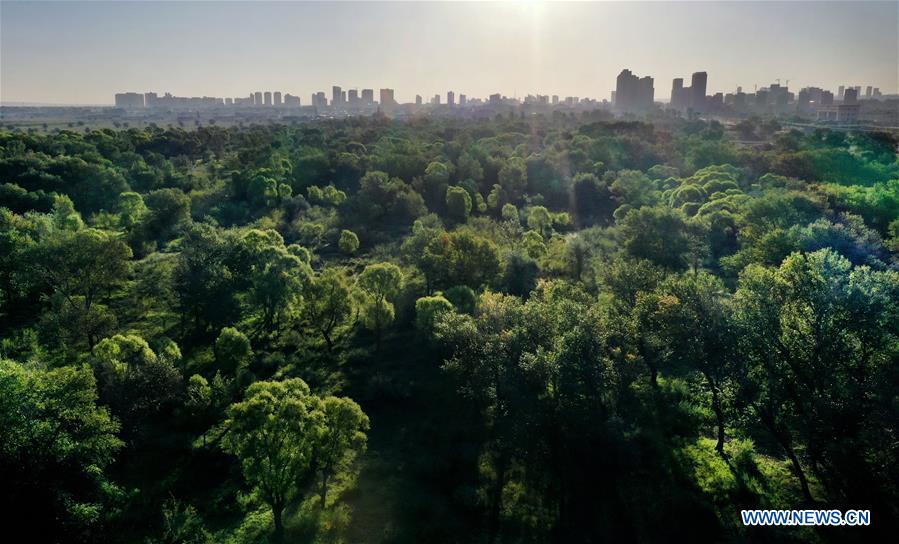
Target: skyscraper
387 97
677 93
268 98
633 94
698 91
277 97
368 97
463 100
257 98
450 98
335 95
418 100
353 97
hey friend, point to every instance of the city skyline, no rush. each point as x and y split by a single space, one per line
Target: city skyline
221 49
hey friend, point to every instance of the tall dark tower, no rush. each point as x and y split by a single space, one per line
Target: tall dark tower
698 90
677 93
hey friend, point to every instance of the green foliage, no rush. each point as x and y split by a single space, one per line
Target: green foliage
428 310
380 284
55 443
657 234
329 302
462 297
600 328
458 204
273 433
349 242
232 351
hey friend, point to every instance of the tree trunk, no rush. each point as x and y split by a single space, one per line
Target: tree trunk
797 468
324 490
496 499
328 340
719 416
277 510
787 444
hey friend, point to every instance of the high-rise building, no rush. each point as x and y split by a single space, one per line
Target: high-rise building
291 101
268 98
495 99
633 94
450 98
850 96
129 100
698 91
387 97
463 100
555 99
336 93
868 91
436 100
277 97
353 97
319 100
678 98
368 97
257 98
418 100
841 91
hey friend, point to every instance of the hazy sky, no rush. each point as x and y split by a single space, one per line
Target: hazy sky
83 52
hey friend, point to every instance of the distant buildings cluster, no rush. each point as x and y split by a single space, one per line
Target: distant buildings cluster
340 99
634 94
167 100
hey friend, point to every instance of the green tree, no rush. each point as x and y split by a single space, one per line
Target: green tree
232 351
428 310
349 242
273 432
345 425
816 335
658 234
328 303
458 204
55 443
697 325
81 268
513 178
380 283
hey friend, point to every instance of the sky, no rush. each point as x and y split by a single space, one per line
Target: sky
83 52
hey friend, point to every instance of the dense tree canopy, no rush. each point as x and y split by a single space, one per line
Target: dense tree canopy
523 329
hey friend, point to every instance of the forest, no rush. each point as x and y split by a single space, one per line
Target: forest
521 329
